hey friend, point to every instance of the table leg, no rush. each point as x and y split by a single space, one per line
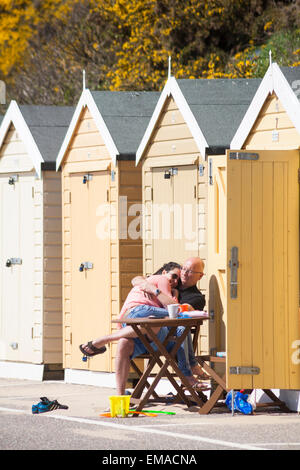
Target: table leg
172 362
156 359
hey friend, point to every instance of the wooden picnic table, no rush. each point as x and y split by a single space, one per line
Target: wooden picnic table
163 358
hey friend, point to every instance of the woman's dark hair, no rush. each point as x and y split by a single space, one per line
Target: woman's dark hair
168 267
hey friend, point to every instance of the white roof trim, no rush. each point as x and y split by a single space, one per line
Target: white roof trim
14 116
172 88
273 81
86 99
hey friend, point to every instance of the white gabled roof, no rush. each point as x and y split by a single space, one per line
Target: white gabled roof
273 81
14 116
172 88
86 99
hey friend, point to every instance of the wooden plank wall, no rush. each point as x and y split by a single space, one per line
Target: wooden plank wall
13 154
272 117
52 268
67 268
38 300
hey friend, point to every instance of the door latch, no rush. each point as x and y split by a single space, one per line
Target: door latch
12 261
12 180
87 178
233 265
85 265
170 172
243 370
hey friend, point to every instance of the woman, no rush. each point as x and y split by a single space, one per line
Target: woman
139 305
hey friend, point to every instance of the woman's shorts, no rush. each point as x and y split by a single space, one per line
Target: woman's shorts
143 311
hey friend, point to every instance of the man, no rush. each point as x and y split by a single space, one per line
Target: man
191 273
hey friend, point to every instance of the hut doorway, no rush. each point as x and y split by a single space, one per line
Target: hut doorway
90 263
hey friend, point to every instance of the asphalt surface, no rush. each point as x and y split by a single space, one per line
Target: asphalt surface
179 436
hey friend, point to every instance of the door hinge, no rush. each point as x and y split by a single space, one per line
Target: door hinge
298 175
243 370
70 338
243 156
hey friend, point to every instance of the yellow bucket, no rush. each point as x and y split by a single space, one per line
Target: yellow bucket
119 405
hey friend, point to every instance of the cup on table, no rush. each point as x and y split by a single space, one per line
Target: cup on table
173 310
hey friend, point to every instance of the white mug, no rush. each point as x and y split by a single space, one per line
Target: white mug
173 310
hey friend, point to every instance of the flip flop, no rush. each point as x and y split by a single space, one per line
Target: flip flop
93 348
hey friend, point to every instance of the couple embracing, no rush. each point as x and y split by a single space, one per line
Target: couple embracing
172 283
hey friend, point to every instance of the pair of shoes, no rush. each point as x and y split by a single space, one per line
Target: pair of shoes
46 405
93 348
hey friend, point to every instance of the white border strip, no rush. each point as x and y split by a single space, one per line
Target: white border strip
140 429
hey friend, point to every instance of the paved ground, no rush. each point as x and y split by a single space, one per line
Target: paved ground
81 428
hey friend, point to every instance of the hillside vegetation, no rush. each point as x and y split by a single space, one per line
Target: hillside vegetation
125 44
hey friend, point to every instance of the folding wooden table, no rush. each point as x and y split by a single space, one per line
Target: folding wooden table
163 358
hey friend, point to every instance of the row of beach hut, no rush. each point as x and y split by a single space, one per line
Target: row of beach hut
125 181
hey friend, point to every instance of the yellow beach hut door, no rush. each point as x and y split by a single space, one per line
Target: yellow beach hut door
17 268
263 269
174 214
90 231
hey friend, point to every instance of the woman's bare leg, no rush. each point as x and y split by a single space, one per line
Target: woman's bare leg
126 332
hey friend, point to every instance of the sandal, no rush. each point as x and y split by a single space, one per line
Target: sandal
203 376
198 386
93 348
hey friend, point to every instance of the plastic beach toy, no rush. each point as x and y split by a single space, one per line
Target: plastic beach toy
108 415
152 411
119 405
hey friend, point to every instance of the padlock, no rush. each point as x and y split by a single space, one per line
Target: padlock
81 267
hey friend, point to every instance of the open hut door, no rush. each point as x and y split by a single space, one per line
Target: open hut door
262 334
